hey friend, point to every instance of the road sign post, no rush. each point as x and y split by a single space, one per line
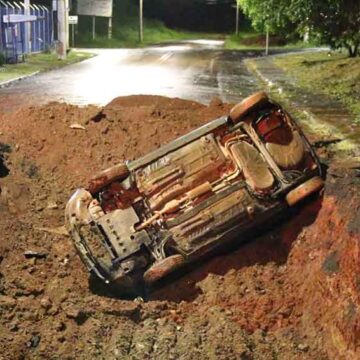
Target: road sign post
73 35
267 43
73 20
94 8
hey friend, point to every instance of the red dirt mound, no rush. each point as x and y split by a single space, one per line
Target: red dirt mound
291 294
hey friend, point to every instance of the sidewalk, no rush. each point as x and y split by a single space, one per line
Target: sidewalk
14 78
36 63
323 118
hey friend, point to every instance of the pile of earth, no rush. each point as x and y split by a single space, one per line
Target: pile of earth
292 293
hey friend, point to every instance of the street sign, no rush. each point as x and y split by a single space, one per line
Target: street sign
73 19
15 18
95 7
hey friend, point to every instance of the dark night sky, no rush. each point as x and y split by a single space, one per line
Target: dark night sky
196 15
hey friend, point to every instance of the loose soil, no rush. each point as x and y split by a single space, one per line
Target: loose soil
293 293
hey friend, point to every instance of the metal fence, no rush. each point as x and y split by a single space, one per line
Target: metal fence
13 20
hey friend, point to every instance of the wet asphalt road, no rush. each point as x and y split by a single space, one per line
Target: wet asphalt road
197 70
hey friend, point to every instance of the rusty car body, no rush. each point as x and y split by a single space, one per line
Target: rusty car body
137 222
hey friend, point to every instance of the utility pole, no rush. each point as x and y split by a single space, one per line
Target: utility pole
63 38
237 18
67 31
93 28
267 26
141 27
110 28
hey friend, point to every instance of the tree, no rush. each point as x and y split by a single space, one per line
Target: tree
269 15
333 22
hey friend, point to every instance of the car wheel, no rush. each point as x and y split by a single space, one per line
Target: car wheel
304 190
163 267
248 104
117 172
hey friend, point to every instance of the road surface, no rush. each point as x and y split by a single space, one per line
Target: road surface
196 70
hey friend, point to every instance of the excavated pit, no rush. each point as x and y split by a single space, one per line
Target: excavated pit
292 293
4 150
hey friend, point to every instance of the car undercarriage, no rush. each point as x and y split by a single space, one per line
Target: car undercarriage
139 221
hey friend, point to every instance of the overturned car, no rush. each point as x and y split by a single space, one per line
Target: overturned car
137 222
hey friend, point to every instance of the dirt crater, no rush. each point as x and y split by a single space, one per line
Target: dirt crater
292 293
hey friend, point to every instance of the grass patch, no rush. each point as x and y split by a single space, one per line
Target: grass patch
39 62
329 72
243 41
128 36
251 40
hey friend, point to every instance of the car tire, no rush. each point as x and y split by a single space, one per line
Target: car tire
162 268
105 177
244 107
128 288
304 190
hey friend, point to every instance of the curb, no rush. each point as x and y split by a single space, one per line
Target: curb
273 85
313 120
251 66
19 78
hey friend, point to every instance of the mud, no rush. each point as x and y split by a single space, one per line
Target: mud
292 293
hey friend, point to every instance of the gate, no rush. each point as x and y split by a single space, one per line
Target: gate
13 21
